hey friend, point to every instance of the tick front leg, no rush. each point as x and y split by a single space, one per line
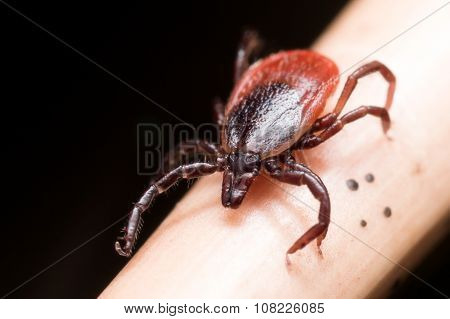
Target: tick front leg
124 244
311 140
298 174
250 46
172 158
199 146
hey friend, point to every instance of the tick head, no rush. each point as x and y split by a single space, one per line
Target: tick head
240 171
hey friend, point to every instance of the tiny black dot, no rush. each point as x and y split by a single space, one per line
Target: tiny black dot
352 184
363 223
369 177
387 212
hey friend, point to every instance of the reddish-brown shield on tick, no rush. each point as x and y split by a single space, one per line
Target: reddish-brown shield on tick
273 110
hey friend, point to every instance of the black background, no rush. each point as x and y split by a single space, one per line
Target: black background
69 128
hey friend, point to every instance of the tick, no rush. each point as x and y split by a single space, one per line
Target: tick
274 109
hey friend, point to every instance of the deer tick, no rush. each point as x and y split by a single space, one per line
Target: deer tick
273 110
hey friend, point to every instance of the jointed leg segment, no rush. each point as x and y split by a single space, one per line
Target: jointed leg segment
219 112
250 45
312 140
361 72
298 174
124 245
171 159
330 124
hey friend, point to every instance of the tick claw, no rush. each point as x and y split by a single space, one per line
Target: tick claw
320 252
288 260
123 251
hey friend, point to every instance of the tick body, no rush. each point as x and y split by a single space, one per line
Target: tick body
274 110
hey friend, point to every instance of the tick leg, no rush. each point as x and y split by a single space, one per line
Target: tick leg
375 66
219 111
323 122
311 140
184 148
249 46
299 174
362 71
199 145
125 244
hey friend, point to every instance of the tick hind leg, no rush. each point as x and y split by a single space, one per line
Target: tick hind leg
330 124
219 112
298 174
361 72
312 140
250 45
125 243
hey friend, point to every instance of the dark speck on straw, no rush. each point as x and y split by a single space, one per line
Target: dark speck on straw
352 184
387 212
369 178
